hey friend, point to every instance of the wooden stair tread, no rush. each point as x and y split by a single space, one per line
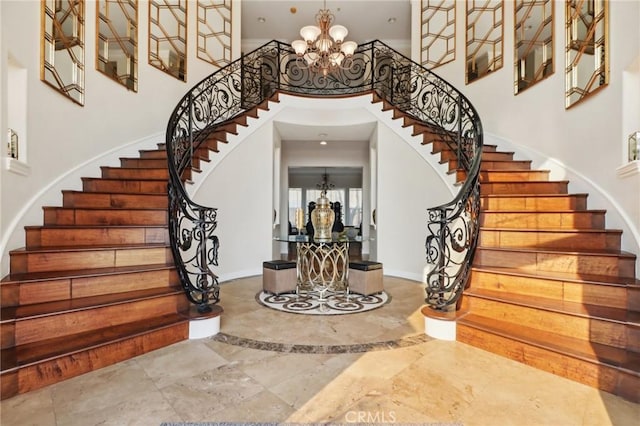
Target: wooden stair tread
559 306
110 208
576 348
545 211
554 230
588 252
30 353
88 248
538 195
84 226
561 276
73 305
81 273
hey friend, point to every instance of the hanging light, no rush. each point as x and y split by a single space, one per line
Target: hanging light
323 48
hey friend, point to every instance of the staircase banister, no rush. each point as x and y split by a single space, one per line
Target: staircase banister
274 67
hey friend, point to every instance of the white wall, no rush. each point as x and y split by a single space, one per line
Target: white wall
586 143
241 188
407 187
63 136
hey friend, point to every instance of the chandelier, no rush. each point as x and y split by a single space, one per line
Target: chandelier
323 48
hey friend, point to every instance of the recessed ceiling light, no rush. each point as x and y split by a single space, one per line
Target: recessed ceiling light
262 19
323 142
391 20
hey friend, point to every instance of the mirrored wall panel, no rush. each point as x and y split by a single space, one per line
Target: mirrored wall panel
533 40
587 64
214 31
117 41
62 64
484 40
438 39
168 36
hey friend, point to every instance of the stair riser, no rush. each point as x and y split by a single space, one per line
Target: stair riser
555 240
557 262
118 173
584 328
51 237
95 200
597 376
154 154
76 260
65 324
443 146
593 294
25 293
147 163
569 202
52 371
519 188
125 186
486 156
543 220
533 175
57 216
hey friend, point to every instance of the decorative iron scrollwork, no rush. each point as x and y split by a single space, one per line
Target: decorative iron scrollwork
254 79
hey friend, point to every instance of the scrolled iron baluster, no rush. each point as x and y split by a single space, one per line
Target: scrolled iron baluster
246 83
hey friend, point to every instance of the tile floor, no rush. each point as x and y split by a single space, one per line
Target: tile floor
420 381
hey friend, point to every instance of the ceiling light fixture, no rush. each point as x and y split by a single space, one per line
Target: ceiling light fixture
323 142
262 19
323 48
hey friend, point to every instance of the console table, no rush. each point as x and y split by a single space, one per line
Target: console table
322 266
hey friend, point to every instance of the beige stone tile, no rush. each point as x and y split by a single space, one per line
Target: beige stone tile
264 407
144 408
200 397
31 409
274 369
384 364
184 359
101 388
337 396
602 408
299 389
382 409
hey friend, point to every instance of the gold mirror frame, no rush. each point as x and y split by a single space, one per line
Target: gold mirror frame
117 41
484 38
587 49
62 47
438 32
168 37
533 42
214 31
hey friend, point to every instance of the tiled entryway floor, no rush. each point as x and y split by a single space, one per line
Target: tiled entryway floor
372 367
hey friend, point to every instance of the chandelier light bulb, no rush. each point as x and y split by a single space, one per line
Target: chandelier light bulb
338 33
310 33
323 48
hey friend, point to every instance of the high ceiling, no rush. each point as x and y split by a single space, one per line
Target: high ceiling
366 20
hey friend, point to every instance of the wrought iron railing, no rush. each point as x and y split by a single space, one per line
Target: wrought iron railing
256 77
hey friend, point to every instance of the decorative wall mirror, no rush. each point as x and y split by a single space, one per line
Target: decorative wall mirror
533 38
117 41
168 36
438 39
62 65
484 40
214 31
587 49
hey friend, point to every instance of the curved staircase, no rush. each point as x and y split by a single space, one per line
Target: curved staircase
550 286
96 283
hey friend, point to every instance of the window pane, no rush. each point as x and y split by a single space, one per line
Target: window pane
354 216
295 201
